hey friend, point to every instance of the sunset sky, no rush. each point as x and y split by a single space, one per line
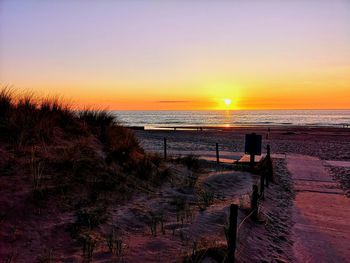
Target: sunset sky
179 54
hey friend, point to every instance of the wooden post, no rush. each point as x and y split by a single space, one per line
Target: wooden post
252 147
254 202
217 154
232 234
165 153
268 150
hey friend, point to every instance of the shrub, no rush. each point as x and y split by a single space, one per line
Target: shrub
97 118
120 143
165 174
90 218
156 158
145 169
54 113
89 244
191 161
191 179
205 199
155 218
114 242
6 102
26 104
179 202
26 121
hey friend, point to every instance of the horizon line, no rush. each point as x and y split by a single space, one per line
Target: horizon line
274 109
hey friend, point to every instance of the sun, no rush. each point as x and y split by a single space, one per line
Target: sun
227 102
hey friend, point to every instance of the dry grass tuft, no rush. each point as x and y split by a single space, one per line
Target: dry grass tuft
81 163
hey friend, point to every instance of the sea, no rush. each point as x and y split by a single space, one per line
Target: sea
234 118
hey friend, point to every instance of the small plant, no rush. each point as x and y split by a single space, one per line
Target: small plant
46 257
90 219
165 173
194 249
9 258
156 158
254 202
114 242
185 238
161 221
155 219
36 170
180 204
153 225
145 169
203 249
206 198
191 179
89 245
14 231
188 213
191 161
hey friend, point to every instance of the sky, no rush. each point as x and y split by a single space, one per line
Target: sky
184 55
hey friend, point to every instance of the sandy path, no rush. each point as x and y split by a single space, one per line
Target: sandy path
321 213
206 227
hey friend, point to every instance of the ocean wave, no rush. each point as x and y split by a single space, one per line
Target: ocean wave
334 118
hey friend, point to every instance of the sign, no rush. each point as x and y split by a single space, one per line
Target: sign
253 144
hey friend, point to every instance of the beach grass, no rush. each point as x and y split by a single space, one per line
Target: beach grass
80 162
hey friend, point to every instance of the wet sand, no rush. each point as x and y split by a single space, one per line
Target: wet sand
325 143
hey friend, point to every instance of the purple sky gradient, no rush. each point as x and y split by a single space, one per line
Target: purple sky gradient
77 46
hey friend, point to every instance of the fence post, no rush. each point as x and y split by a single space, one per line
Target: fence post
217 153
165 154
232 233
254 202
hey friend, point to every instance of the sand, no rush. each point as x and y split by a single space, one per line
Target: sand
321 155
321 211
325 143
189 225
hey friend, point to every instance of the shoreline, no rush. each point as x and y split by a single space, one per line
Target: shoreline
325 143
236 127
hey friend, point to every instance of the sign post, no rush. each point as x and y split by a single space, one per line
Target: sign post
252 146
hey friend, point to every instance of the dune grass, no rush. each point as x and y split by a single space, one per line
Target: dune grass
82 161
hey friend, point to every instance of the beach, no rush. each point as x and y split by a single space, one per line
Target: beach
313 167
174 131
176 210
323 142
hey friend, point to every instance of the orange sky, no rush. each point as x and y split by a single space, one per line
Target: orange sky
177 55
